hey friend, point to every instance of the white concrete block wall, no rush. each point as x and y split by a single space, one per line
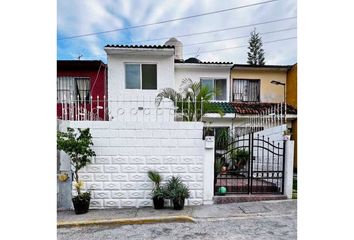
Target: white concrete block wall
126 151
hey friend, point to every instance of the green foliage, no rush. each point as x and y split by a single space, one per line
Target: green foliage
189 98
256 52
239 157
86 196
155 177
222 138
218 165
176 189
78 147
158 192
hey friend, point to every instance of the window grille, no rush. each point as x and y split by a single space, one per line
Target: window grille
246 90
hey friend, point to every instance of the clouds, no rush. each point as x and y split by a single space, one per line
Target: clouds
80 17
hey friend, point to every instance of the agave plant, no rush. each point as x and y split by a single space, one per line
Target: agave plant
193 98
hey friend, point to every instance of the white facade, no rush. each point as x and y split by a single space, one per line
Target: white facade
196 72
134 104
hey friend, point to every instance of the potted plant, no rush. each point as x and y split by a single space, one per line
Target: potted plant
158 193
177 192
239 158
78 147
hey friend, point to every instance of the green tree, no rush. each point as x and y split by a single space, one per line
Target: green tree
78 147
256 52
192 98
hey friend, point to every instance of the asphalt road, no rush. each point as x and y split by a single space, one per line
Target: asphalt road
256 227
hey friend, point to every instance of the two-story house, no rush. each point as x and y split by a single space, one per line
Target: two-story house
136 74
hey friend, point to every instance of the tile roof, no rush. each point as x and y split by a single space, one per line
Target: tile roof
140 46
257 108
261 66
225 106
197 61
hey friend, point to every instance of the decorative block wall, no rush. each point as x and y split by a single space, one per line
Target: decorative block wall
125 152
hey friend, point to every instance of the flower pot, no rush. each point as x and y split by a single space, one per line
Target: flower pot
158 202
178 204
81 206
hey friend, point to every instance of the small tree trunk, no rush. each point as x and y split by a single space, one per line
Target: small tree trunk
77 180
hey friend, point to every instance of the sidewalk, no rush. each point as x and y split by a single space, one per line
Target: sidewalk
188 214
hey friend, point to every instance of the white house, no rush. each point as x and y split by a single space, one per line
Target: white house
136 74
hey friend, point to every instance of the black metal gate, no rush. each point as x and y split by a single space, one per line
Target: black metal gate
250 164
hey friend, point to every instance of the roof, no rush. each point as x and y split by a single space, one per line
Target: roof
79 64
197 61
258 108
225 106
140 46
260 67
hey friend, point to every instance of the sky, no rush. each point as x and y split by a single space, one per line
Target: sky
75 17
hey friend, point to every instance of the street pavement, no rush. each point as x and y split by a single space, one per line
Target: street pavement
252 220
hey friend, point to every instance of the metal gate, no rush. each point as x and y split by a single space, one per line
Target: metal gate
250 164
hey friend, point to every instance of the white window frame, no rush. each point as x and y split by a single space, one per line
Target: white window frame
140 75
214 79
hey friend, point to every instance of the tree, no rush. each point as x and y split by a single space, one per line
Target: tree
79 150
256 52
192 98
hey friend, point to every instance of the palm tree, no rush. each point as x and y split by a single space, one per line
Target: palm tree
192 100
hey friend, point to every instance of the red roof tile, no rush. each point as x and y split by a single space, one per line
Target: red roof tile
258 108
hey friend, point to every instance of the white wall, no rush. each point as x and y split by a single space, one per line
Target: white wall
130 99
126 151
183 71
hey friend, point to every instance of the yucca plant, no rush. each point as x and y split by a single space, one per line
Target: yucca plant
177 192
155 177
158 193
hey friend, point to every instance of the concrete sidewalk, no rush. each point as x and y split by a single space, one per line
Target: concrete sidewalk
189 213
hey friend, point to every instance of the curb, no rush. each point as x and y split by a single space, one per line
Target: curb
126 221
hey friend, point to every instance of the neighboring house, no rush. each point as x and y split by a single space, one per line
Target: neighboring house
256 88
80 83
291 98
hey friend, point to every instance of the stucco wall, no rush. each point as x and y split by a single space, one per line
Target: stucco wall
132 99
196 73
269 92
126 151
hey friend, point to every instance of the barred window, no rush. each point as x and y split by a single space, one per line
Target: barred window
72 87
246 90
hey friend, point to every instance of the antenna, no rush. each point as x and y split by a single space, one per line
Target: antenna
197 53
79 57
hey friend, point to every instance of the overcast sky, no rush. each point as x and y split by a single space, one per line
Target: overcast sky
77 17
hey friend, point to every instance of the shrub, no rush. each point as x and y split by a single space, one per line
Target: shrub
78 147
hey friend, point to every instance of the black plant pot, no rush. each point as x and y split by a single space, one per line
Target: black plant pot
81 206
178 204
158 202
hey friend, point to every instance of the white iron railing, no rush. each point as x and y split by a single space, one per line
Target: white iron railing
139 109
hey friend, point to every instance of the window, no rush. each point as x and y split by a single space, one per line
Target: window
140 76
217 85
68 87
246 90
